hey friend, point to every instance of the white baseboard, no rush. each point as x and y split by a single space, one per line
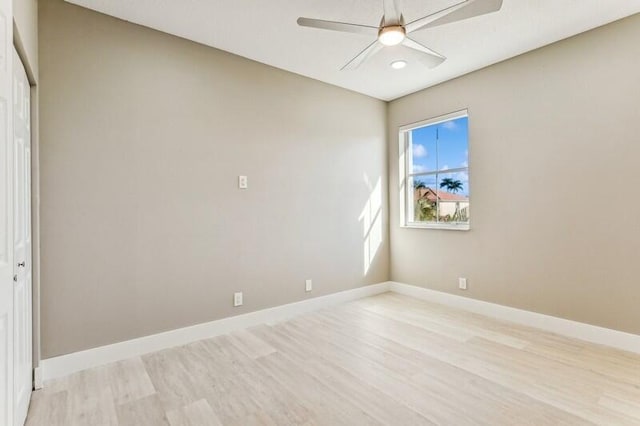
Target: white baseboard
64 365
38 381
67 364
590 333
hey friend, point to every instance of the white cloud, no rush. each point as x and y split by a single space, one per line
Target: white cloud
445 167
449 125
465 164
417 168
419 151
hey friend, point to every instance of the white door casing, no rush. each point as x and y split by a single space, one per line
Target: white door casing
22 365
6 215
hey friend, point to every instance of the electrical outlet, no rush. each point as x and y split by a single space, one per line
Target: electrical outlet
462 283
308 285
243 182
237 299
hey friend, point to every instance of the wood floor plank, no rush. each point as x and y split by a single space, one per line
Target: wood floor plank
48 409
450 381
176 386
623 405
328 408
382 360
242 374
602 359
198 413
228 392
532 380
251 345
350 388
129 380
144 411
492 403
392 383
95 408
451 325
256 419
568 371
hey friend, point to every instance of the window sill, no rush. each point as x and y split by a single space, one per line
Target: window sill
446 227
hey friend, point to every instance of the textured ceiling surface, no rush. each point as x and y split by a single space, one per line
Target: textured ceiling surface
266 31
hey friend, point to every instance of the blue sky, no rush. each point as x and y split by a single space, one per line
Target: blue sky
451 147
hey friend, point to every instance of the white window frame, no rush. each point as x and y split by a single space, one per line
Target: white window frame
405 164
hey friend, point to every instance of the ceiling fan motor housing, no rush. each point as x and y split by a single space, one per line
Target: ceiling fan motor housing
392 35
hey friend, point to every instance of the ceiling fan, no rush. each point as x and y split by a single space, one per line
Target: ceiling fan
393 30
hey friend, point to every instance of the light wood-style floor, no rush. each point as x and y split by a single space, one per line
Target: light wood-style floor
387 359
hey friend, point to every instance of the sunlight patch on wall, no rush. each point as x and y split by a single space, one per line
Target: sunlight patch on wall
401 175
371 218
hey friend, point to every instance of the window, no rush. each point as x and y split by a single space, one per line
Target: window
434 168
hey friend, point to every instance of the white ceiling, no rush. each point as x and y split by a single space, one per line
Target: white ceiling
266 31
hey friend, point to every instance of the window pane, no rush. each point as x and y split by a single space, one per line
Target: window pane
453 148
437 172
423 150
424 199
453 197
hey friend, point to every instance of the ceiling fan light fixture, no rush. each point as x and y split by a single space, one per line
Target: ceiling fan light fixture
393 31
392 35
398 65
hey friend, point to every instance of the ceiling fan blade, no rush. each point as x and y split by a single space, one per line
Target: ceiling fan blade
368 52
337 26
458 12
431 58
392 14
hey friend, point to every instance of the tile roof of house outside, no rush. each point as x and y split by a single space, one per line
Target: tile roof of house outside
430 193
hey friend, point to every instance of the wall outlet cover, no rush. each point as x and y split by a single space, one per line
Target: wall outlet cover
243 182
237 299
462 283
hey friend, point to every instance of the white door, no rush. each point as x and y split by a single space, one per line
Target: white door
22 366
6 215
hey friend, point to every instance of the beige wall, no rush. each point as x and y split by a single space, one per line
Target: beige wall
25 16
554 140
143 136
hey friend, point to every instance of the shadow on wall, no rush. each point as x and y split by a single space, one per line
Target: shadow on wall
371 218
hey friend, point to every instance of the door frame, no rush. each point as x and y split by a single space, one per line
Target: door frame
35 206
23 272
